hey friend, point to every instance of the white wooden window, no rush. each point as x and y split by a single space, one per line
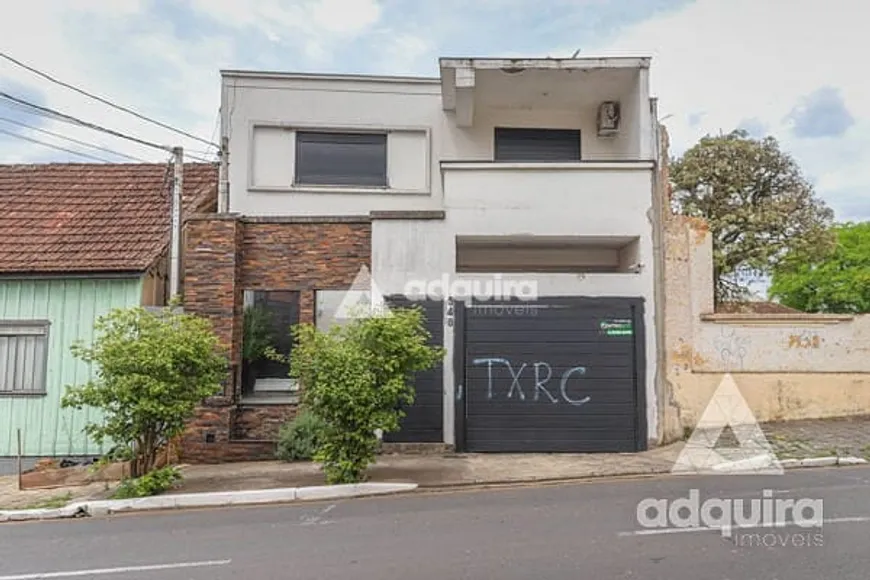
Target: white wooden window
23 356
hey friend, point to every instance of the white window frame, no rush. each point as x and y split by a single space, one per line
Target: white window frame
342 128
21 328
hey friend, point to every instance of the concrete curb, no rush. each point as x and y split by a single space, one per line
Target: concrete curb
821 462
758 463
217 499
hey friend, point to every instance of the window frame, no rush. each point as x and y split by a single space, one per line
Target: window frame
250 298
347 181
42 329
531 131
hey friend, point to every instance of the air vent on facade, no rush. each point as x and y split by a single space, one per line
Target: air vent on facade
608 118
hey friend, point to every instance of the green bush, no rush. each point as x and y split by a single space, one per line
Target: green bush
299 438
153 483
152 370
357 377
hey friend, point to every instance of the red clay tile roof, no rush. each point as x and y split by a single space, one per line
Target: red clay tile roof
57 218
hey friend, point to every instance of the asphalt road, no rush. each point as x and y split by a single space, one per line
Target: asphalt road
581 531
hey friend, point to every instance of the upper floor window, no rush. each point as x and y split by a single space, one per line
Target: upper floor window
537 145
343 159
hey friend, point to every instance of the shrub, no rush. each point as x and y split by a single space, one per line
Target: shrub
152 483
356 378
257 333
152 371
299 438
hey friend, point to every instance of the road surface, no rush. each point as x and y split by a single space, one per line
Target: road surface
580 531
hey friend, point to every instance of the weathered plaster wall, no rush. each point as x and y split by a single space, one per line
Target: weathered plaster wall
787 366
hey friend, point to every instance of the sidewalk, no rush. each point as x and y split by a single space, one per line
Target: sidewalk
792 440
434 471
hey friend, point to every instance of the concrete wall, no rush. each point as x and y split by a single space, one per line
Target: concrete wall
435 166
261 112
787 366
490 200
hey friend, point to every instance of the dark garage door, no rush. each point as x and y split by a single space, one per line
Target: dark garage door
559 375
423 422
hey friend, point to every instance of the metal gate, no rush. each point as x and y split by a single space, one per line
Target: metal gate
423 422
555 375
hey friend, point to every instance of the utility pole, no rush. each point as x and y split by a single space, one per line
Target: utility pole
175 244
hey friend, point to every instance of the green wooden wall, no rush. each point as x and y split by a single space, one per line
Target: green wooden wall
72 306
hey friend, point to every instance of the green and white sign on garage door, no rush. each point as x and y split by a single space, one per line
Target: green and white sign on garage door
616 327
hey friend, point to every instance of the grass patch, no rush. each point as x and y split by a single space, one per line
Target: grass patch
53 502
153 483
866 452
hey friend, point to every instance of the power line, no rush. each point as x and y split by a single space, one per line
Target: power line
105 101
58 116
198 158
78 121
76 141
217 122
59 148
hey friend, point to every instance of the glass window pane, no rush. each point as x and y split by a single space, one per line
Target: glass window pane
358 159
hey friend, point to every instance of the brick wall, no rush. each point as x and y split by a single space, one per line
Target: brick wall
214 419
304 257
227 254
211 272
260 422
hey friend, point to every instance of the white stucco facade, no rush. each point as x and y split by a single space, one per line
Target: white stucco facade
440 159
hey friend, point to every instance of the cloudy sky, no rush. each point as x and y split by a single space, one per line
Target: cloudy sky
790 68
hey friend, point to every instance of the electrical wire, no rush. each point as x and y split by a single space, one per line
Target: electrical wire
59 148
105 101
76 141
198 158
58 116
78 121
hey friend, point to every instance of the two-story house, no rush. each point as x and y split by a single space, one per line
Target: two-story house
515 199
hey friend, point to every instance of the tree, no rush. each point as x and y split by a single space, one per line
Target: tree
838 284
758 204
152 371
356 378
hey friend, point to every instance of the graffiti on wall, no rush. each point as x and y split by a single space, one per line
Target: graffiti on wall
805 340
537 386
732 348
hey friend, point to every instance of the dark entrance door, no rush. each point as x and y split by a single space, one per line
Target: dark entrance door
557 375
423 422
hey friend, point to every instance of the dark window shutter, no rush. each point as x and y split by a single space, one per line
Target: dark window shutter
537 145
349 159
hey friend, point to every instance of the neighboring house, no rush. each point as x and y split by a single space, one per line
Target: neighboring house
539 172
78 240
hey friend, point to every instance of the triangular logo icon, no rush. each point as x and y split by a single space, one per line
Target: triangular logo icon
363 299
728 408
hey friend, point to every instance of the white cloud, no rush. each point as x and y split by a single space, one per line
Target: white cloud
404 54
70 46
739 59
314 24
